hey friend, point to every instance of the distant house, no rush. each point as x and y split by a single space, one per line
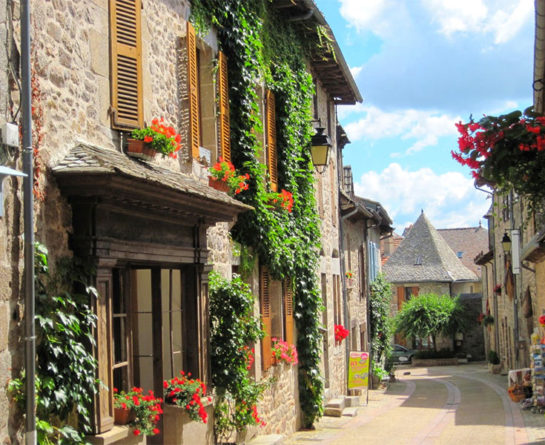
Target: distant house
425 262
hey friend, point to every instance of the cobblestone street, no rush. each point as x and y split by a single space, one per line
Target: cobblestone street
441 405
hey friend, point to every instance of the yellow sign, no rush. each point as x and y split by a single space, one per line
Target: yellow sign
358 370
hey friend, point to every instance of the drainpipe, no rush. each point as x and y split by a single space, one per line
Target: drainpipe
28 161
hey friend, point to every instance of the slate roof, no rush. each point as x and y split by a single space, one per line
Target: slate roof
86 160
424 256
469 241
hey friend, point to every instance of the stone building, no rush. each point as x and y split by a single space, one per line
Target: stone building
154 229
513 266
425 263
365 224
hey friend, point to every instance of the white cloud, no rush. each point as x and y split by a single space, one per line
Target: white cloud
423 126
355 70
501 18
371 16
449 199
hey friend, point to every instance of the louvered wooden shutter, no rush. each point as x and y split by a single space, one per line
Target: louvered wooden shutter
288 311
126 64
264 287
272 157
400 296
193 87
223 93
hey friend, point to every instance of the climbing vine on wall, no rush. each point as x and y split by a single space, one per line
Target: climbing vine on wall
263 48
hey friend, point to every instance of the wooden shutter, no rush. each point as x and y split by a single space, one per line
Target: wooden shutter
400 296
264 287
223 93
126 64
414 291
193 90
272 157
288 311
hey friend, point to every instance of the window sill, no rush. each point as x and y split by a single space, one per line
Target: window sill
118 434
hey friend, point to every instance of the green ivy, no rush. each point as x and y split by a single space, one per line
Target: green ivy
65 366
233 328
262 46
379 318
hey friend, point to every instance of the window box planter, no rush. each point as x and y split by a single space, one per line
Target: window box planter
140 149
222 186
180 429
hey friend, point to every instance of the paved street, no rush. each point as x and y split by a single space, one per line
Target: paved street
439 405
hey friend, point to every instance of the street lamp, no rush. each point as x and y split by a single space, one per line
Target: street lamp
506 243
320 149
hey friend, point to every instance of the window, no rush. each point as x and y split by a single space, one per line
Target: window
459 254
126 64
270 140
334 193
337 308
276 301
374 260
155 326
418 260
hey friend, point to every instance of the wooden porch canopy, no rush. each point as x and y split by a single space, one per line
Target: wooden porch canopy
123 208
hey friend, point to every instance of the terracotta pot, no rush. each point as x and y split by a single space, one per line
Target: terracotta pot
140 149
123 416
222 186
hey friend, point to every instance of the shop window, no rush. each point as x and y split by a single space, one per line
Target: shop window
126 64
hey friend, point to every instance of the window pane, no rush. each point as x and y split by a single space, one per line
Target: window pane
120 344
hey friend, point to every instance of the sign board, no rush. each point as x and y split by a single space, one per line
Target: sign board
358 370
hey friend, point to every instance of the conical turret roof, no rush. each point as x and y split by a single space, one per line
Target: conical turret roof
425 256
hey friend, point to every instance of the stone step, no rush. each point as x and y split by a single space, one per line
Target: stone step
352 400
334 407
267 439
351 411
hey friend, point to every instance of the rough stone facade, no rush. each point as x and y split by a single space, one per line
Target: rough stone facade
72 100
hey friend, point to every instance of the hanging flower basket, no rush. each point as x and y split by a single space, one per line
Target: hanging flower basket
140 149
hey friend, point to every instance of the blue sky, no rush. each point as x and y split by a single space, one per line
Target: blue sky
421 66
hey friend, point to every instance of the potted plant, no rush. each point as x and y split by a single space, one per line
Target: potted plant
340 333
141 412
157 138
488 320
350 281
188 393
284 352
494 364
225 178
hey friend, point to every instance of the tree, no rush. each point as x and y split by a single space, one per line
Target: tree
430 315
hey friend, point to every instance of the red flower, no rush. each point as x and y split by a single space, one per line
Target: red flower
542 320
136 432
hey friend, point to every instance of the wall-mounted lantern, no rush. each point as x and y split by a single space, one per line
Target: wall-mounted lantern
321 147
4 173
506 243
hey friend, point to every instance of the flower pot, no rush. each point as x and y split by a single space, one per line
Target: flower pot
123 416
222 186
140 149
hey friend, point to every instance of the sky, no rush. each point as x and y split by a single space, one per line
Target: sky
421 66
